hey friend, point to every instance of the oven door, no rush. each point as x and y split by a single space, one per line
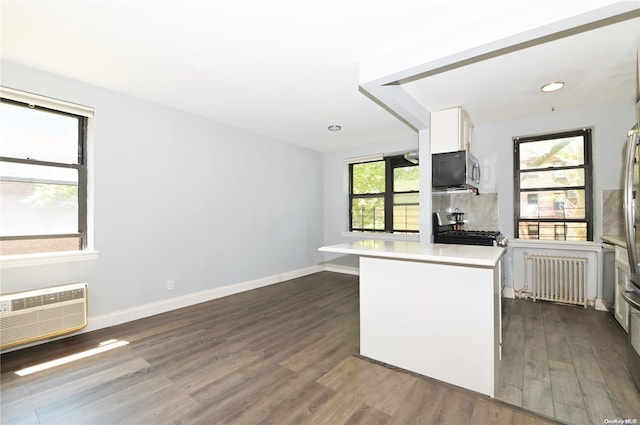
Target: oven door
632 297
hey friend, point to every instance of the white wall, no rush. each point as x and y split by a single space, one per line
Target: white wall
522 279
180 197
493 145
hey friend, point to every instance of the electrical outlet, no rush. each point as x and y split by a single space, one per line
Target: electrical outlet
170 285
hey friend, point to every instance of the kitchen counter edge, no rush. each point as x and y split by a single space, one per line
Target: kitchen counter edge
463 255
619 240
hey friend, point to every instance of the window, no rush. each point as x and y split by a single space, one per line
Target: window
43 176
553 186
560 232
384 196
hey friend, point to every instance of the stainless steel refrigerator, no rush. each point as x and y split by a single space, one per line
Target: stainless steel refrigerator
631 293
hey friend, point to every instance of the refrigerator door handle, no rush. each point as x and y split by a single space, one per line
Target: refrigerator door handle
631 299
629 204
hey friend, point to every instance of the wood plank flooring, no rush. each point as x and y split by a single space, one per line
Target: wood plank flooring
283 354
566 362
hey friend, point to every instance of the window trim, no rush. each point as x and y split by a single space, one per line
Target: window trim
587 166
44 258
82 113
391 162
45 102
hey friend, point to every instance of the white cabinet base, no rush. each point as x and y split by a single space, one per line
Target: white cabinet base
438 320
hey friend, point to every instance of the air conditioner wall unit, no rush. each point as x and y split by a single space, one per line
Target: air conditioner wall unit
43 313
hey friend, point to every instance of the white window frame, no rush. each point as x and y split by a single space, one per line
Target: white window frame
89 253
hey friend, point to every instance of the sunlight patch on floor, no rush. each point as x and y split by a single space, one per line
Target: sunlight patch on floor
101 348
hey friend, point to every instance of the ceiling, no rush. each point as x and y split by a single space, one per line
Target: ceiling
287 69
597 66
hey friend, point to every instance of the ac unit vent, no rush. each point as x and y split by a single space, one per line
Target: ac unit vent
43 313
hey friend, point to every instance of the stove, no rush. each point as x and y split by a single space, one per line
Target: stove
443 232
471 237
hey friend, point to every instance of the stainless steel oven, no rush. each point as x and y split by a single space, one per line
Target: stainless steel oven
448 228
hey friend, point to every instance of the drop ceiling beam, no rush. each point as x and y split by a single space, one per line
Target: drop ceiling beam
381 79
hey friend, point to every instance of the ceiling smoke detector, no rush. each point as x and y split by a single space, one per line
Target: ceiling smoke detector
335 127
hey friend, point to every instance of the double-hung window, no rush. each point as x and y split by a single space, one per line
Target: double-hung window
43 174
384 196
553 186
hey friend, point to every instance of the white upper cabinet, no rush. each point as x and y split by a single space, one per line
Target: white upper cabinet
451 130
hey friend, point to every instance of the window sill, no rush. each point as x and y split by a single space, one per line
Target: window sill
547 244
27 260
382 236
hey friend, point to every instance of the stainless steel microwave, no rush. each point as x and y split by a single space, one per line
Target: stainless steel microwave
455 170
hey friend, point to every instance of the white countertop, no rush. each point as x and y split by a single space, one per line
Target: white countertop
619 240
468 255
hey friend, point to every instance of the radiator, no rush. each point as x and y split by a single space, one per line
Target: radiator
43 313
556 278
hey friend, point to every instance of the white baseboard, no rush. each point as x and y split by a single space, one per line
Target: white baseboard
128 315
509 293
601 305
146 310
341 269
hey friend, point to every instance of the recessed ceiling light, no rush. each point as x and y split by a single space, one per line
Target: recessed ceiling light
550 87
334 127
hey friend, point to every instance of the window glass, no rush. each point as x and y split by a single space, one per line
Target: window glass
555 152
40 245
368 213
556 178
406 212
38 200
38 134
553 230
554 204
406 179
369 177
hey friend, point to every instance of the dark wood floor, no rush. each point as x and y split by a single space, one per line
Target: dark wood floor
283 354
567 362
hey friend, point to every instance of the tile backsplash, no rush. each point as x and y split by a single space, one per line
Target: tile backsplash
480 211
612 215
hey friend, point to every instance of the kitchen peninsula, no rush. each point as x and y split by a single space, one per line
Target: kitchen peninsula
433 309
